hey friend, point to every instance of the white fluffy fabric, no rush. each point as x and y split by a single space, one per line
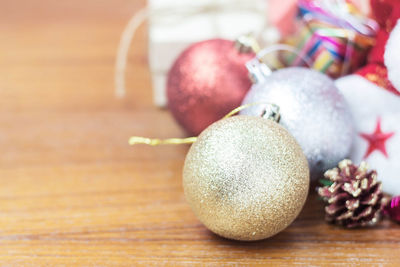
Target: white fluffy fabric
368 102
392 56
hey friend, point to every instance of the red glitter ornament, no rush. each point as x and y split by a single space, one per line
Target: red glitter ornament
392 209
208 80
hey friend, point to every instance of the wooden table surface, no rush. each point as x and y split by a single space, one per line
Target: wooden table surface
72 192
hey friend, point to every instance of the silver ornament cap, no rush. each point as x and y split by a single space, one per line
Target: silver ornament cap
311 108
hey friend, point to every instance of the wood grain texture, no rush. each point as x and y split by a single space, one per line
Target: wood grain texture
72 192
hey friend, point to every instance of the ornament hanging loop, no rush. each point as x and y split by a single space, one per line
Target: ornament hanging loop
134 140
258 67
271 112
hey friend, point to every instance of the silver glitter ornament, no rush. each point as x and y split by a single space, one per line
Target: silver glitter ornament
311 109
246 178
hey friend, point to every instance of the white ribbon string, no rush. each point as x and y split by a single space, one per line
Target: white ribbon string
283 47
123 50
259 69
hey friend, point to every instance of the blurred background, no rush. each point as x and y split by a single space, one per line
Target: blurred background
62 54
57 76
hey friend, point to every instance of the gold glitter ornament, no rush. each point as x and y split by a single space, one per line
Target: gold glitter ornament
246 178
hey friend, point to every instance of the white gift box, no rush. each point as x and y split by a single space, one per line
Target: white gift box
175 24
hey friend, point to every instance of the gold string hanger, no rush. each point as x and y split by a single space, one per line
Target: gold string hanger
271 112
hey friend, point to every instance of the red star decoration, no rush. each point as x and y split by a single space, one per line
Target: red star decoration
377 140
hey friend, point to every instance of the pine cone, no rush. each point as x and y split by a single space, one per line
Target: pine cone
354 197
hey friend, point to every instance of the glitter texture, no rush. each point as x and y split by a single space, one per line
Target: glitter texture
246 178
208 80
312 110
392 209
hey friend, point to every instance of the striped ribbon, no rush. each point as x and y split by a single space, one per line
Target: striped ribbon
337 38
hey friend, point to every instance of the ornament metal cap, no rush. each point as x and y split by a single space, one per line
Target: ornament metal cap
247 44
257 70
271 112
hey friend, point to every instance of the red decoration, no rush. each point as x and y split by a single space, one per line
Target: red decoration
377 140
377 73
386 13
392 209
208 80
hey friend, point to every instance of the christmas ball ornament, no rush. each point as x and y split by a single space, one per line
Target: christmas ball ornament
208 80
311 109
392 209
353 195
246 178
392 56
